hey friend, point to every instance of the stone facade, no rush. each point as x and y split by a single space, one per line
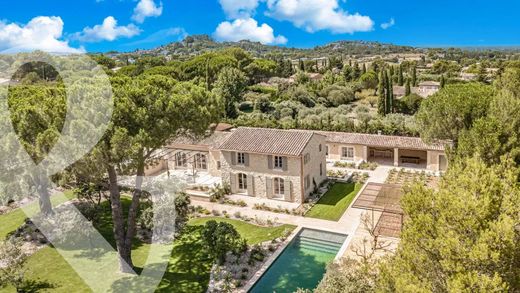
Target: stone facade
335 152
262 173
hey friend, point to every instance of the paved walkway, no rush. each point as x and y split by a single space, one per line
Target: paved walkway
347 224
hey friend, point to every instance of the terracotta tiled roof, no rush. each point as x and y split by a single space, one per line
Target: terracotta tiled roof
385 141
212 141
268 141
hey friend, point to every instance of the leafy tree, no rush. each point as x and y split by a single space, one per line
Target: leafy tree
149 112
219 239
463 237
409 104
104 61
12 265
453 110
261 69
369 80
229 87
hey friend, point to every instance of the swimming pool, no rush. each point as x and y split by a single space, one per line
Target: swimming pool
302 263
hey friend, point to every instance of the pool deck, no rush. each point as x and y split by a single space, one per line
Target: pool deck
349 223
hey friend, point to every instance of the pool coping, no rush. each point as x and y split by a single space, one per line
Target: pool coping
270 261
250 284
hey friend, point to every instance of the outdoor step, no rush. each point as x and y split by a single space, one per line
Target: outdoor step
320 242
326 241
319 248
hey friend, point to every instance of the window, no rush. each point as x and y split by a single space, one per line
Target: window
279 187
218 165
320 147
242 181
307 182
347 153
241 158
278 162
307 158
180 160
200 162
321 169
326 150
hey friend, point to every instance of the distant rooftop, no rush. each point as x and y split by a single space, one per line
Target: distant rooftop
384 141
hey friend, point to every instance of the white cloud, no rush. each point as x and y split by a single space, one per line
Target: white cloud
247 29
41 33
146 8
239 8
107 31
388 24
316 15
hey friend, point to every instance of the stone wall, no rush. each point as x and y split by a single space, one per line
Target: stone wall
335 152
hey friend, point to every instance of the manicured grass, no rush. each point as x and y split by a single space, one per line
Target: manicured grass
188 269
334 202
252 233
15 218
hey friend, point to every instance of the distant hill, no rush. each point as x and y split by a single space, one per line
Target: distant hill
197 44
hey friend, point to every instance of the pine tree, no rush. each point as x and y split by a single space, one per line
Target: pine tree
407 89
381 103
400 78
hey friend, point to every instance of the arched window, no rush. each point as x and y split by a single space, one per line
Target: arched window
279 187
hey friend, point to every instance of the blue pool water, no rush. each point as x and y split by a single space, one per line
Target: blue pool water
302 263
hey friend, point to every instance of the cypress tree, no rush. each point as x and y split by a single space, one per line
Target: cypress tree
407 89
414 76
400 78
301 65
443 81
389 94
364 68
381 103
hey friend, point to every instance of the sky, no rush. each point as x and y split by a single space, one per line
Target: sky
64 26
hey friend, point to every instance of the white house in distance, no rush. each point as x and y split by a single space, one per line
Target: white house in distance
287 165
424 89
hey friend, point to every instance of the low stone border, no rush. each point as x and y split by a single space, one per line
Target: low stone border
269 262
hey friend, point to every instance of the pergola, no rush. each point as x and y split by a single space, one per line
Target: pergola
384 198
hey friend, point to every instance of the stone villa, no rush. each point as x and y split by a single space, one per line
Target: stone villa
287 165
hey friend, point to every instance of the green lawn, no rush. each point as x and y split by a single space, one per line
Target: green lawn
14 219
334 202
252 233
188 269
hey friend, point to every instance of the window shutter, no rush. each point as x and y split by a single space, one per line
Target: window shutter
269 187
284 163
270 162
233 158
233 183
246 159
287 189
250 185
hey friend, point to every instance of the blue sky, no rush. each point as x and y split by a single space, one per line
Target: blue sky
124 25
